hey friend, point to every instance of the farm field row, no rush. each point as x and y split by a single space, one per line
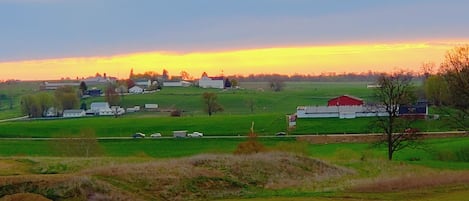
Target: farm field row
438 153
217 125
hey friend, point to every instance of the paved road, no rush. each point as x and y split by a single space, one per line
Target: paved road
14 119
458 133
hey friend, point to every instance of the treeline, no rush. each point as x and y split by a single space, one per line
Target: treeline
330 77
45 104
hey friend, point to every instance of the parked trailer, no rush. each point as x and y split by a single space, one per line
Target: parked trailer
178 134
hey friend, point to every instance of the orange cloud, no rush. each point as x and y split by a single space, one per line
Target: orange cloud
283 60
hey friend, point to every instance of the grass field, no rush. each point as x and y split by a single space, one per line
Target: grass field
124 160
137 167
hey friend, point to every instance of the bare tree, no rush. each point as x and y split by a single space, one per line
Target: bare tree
67 97
395 89
211 103
276 84
111 96
455 70
84 144
250 103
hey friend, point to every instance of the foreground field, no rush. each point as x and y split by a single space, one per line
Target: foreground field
344 172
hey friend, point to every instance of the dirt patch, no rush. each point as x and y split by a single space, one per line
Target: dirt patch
13 167
24 197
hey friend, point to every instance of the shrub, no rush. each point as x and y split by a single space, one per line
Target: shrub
250 147
176 113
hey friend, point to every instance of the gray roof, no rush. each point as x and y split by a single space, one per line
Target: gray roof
72 111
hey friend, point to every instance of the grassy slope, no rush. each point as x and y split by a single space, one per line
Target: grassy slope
167 148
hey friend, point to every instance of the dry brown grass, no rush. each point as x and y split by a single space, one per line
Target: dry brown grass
24 197
412 182
217 176
200 177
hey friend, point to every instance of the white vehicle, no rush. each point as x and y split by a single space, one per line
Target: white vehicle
195 134
155 135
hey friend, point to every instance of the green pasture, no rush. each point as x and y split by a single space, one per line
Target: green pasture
268 115
219 125
449 153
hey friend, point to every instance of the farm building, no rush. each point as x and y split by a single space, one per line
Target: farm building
74 113
343 112
136 90
151 107
93 92
100 108
419 110
176 84
56 85
211 82
345 100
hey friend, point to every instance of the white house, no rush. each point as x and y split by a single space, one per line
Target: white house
136 90
211 82
74 113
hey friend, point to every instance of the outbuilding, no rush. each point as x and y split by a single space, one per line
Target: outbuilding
136 90
74 113
345 100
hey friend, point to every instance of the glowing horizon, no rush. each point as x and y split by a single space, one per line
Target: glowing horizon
313 60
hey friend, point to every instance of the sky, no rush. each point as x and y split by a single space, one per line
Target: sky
52 39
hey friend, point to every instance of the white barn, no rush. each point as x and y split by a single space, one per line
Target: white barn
101 108
211 82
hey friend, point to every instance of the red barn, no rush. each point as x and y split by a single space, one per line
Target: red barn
345 100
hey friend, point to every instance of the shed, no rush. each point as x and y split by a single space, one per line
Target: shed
345 100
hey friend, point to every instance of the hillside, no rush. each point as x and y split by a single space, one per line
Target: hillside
200 177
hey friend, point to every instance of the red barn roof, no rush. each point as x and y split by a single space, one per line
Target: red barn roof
345 100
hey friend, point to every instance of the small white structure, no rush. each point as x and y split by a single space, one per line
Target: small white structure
136 90
74 113
133 109
343 112
151 106
211 82
117 110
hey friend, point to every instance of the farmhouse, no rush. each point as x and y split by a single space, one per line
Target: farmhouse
345 100
211 82
136 90
74 113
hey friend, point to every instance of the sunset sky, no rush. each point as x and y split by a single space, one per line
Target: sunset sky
51 39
